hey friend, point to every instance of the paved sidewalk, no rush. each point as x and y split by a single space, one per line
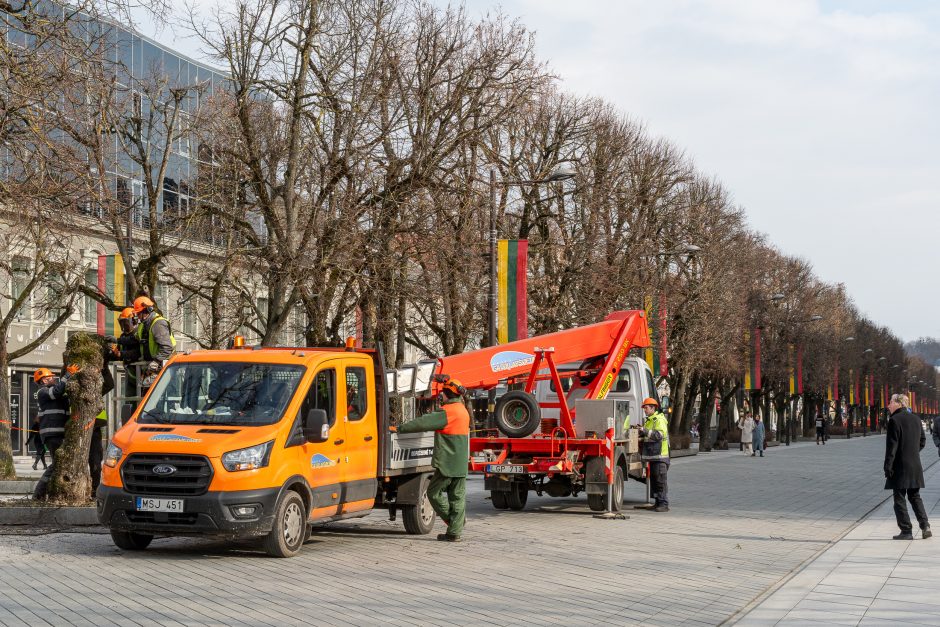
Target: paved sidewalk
738 526
866 578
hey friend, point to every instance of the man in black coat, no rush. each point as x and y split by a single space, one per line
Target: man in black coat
903 472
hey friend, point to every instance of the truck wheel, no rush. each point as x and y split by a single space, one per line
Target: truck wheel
130 541
517 414
499 499
290 527
419 519
516 498
598 502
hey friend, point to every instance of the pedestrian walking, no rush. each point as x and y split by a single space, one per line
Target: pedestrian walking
36 438
746 425
935 433
655 451
820 429
903 471
758 436
447 490
53 414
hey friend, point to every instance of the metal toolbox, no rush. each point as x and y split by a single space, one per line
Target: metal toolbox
592 417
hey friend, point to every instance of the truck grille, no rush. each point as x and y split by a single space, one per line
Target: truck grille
191 478
153 518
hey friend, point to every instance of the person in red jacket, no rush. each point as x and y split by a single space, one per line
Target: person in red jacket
447 491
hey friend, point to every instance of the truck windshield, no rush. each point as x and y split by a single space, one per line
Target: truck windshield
221 393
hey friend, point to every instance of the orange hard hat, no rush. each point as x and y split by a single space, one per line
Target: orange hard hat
126 313
142 303
454 386
649 400
41 374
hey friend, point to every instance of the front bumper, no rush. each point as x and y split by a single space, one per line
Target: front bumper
206 514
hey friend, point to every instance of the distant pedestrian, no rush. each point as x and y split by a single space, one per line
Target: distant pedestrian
746 425
758 436
820 429
903 471
36 438
935 433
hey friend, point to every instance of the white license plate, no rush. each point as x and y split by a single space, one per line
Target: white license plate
159 505
505 469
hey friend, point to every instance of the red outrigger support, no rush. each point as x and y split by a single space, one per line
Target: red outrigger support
522 360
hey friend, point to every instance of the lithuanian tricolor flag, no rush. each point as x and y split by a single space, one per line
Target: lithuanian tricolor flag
511 257
111 284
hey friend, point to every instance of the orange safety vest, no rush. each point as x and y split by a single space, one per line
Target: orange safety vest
458 419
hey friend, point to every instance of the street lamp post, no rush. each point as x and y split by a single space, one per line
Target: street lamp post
560 173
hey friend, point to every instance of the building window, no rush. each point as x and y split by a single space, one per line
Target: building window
55 294
188 306
91 305
21 276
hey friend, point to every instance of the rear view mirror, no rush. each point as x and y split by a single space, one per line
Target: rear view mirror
127 410
316 426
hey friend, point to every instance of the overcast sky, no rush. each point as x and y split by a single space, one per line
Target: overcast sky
821 116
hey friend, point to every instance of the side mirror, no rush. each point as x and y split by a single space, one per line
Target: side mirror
316 426
127 410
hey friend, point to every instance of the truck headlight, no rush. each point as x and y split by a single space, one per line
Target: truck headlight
248 458
112 456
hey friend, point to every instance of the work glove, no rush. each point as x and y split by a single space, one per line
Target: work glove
71 369
116 351
153 367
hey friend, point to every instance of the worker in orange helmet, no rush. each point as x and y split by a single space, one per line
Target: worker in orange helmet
154 336
54 412
655 451
447 490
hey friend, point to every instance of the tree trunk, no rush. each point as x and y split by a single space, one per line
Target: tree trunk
71 480
7 470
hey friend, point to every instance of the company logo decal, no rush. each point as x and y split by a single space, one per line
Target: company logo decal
164 469
507 360
602 393
321 461
420 453
172 437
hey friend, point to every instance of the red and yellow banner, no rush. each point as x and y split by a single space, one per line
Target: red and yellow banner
511 270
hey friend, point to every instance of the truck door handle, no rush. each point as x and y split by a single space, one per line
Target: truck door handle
338 442
368 438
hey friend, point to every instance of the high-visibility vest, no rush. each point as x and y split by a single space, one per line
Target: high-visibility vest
152 347
656 450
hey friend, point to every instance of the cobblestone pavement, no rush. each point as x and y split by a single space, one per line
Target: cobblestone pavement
738 526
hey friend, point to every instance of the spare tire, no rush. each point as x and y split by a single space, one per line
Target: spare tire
517 414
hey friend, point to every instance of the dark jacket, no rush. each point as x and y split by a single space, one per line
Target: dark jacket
902 451
935 431
53 409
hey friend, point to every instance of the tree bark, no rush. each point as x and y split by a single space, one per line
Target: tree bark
71 479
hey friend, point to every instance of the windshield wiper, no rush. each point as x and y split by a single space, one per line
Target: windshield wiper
159 417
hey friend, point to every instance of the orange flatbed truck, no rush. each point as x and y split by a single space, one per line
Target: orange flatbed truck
262 442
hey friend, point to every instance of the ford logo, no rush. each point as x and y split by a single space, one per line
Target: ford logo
164 469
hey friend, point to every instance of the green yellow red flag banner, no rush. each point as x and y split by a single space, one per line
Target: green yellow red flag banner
511 270
111 284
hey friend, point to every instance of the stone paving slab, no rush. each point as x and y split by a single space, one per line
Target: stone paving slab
866 578
738 526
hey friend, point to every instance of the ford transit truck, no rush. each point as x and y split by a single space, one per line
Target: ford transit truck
262 442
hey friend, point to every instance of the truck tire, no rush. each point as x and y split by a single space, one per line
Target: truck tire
419 519
130 541
290 526
598 502
516 498
517 414
499 499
